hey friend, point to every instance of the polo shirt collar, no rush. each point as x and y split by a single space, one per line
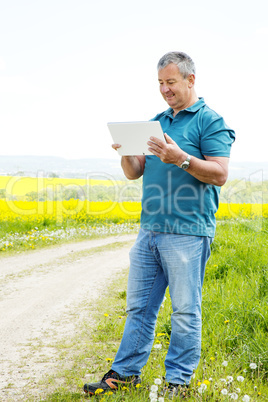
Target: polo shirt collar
192 109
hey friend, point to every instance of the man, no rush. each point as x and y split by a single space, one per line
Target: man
181 185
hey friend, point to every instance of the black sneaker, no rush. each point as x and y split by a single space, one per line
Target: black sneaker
174 390
111 381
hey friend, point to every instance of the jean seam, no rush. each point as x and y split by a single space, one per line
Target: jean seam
142 324
196 353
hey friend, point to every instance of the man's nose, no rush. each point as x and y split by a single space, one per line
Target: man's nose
164 88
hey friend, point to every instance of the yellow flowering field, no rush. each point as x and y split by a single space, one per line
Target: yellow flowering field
31 224
232 210
80 210
19 186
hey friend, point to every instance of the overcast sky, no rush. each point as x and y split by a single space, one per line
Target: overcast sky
68 67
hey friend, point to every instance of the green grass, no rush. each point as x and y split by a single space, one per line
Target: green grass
235 329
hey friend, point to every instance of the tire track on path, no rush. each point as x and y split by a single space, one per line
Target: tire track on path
39 294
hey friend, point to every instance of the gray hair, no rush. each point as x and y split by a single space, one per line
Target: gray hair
182 60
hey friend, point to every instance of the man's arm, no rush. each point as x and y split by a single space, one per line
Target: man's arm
133 166
212 170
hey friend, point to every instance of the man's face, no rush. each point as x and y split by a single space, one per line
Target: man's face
176 90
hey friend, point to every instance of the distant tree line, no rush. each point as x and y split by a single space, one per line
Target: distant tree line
235 191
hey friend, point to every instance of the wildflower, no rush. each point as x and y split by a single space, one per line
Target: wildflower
106 315
253 366
224 391
212 358
223 380
246 398
98 391
161 334
225 363
229 379
233 396
138 385
158 346
108 359
206 382
161 399
240 378
238 390
226 321
210 379
154 388
158 381
202 388
153 396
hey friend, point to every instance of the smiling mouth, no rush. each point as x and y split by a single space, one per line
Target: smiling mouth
169 96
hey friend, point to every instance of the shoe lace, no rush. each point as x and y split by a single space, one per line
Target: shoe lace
110 374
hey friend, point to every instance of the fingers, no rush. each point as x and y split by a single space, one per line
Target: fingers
116 146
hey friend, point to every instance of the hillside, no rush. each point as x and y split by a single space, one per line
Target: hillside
50 166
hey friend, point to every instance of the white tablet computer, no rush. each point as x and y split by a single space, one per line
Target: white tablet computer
133 136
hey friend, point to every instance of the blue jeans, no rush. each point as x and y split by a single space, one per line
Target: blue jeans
158 260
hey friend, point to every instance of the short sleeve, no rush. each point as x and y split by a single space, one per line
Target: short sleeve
216 137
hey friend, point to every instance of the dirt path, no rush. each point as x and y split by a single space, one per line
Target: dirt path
39 293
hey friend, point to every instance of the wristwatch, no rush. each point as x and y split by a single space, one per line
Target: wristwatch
186 163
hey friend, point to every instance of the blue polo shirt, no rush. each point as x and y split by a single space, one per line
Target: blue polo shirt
174 201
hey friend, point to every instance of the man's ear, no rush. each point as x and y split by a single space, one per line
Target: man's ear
191 79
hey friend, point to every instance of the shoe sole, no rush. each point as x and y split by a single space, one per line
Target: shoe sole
113 387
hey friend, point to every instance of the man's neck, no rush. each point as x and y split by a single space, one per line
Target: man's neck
189 104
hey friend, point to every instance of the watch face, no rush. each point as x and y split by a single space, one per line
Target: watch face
185 165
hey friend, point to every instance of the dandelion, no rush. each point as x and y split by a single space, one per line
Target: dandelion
238 390
138 385
226 321
161 334
153 396
161 399
98 391
158 381
253 366
240 378
106 315
225 363
212 358
233 396
154 388
202 388
108 359
224 391
230 379
158 346
223 380
246 398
